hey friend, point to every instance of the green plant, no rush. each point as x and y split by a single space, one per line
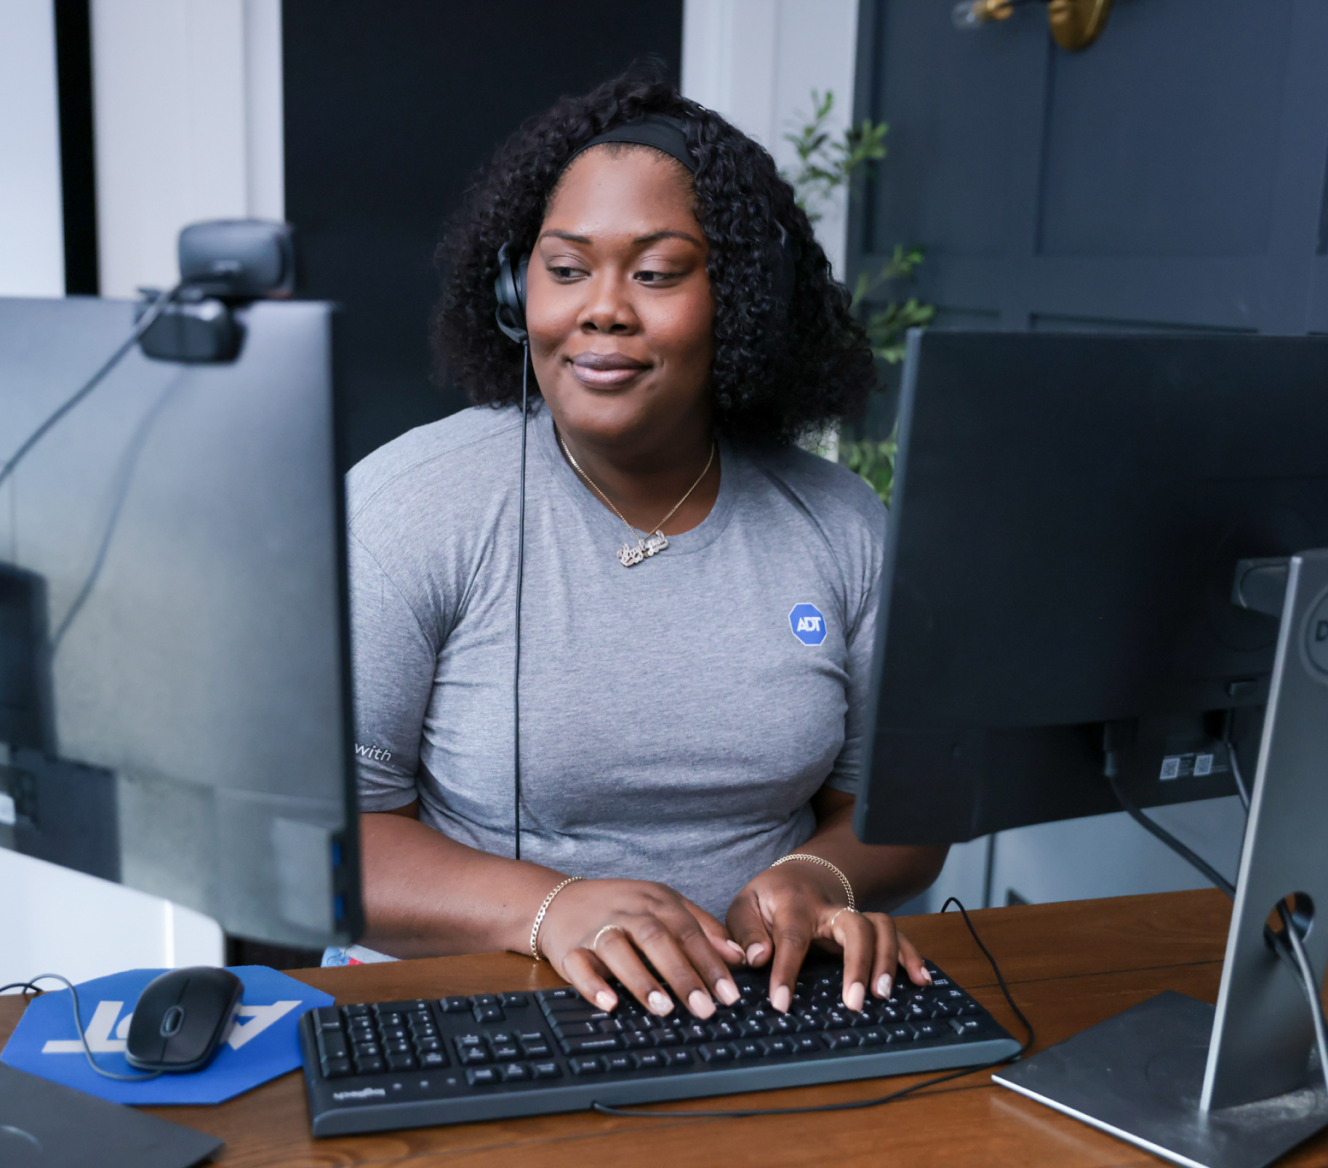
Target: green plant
874 462
826 163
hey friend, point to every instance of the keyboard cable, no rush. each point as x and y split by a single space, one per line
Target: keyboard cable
857 1104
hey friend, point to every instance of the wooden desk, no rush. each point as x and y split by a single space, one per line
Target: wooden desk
1068 965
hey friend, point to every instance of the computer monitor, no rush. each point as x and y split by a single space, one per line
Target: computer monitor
1108 556
1067 517
174 682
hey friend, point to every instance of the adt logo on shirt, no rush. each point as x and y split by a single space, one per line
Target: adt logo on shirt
807 623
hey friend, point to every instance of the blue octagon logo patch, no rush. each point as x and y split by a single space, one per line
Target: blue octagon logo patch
807 623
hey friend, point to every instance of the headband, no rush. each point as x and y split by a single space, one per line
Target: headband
658 130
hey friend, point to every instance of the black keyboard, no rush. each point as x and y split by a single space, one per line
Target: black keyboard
384 1065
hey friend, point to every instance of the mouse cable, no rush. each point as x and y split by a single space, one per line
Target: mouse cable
145 323
516 662
1170 840
78 1025
858 1104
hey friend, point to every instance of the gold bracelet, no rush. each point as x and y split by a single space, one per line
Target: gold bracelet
539 916
848 888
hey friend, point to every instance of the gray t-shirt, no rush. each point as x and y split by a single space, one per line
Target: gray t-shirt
676 716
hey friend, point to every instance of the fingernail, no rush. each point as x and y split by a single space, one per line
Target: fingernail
755 953
884 984
605 1000
659 1002
780 997
927 978
737 949
701 1004
855 996
727 991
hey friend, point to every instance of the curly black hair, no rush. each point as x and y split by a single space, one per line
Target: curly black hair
780 370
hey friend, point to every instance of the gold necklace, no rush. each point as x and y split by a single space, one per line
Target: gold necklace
646 545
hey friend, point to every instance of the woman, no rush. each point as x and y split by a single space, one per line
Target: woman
692 687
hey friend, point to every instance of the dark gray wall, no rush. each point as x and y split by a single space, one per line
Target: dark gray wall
1171 175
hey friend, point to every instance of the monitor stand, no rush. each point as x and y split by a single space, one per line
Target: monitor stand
1236 1085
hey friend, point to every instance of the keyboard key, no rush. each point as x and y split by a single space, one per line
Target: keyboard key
505 1053
401 1062
693 1032
516 1073
716 1052
778 1046
667 1037
807 1044
963 1025
358 1010
577 1011
608 1026
482 1076
649 1060
471 1055
427 1044
841 1039
532 1050
336 1068
749 1048
332 1044
370 1066
754 1028
587 1065
598 1042
549 1070
620 1062
327 1018
454 1005
873 1036
489 1014
928 1029
635 1039
433 1058
722 1030
513 1001
574 1029
397 1046
484 1000
902 1032
561 994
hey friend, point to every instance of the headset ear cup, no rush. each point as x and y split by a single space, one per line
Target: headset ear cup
521 271
509 290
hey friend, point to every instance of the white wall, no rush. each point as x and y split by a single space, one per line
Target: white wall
187 96
188 126
32 257
757 61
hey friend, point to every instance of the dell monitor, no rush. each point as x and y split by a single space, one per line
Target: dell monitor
1106 575
174 694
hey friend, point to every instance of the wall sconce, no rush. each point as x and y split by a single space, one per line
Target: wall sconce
1075 24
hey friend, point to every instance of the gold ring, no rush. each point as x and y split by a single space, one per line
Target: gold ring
845 909
595 943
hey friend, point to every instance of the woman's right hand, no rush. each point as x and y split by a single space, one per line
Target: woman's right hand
596 929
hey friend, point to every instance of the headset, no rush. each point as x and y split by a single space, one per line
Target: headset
669 135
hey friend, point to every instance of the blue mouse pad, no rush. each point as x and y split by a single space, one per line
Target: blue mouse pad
262 1045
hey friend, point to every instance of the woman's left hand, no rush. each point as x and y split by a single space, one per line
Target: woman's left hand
784 910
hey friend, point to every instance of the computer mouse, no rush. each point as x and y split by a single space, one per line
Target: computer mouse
182 1018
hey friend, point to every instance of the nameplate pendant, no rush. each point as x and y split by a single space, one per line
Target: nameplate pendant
651 545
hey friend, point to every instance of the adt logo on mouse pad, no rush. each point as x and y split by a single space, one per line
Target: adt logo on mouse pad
263 1043
807 623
